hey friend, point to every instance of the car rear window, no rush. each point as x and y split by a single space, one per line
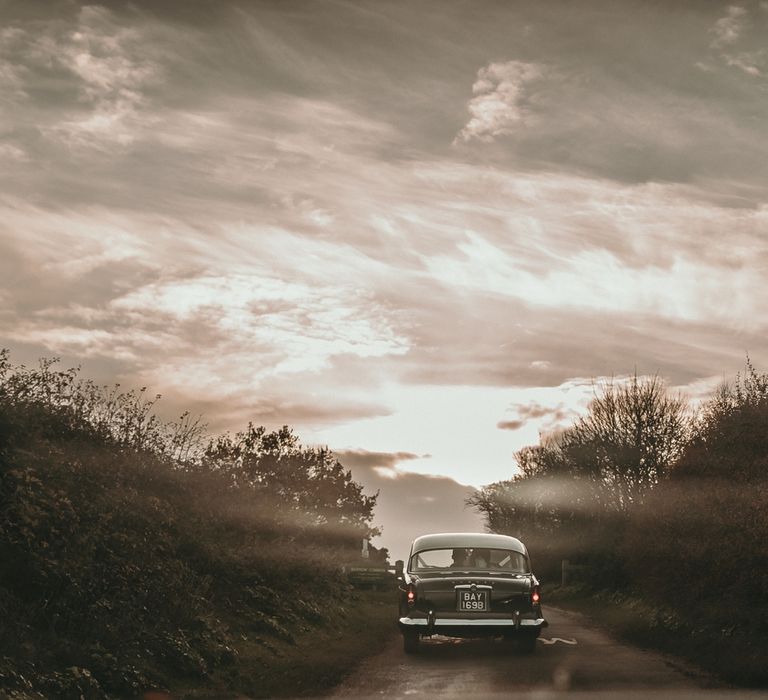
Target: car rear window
472 559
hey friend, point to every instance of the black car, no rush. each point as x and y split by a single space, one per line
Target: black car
469 585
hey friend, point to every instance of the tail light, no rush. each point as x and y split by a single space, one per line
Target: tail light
536 595
410 594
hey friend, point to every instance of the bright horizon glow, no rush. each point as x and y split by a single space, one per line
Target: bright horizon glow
453 430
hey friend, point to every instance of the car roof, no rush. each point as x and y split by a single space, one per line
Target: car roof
467 539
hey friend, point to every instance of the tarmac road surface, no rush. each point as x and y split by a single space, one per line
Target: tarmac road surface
572 654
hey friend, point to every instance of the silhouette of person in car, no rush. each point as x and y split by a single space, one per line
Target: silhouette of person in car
460 558
481 558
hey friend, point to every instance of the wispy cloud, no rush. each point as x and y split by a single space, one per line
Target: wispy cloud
295 328
375 460
727 29
107 66
266 215
553 416
728 32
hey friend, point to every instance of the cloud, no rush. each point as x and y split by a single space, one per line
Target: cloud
259 316
627 110
728 29
499 102
511 424
259 213
300 326
97 71
410 504
728 32
475 348
555 416
367 459
562 263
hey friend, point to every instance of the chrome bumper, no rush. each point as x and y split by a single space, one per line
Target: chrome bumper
459 622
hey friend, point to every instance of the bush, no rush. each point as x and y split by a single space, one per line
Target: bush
130 558
704 543
731 438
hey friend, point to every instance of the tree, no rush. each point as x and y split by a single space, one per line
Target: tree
632 433
731 437
301 486
606 461
574 489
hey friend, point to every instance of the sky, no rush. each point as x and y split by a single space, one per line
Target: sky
417 232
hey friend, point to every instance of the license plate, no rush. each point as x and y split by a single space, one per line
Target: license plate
472 601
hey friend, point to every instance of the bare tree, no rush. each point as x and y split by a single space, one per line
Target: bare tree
603 464
632 434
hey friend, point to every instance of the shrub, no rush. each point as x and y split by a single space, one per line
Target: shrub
130 557
702 544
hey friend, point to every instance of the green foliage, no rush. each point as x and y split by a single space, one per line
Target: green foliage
131 554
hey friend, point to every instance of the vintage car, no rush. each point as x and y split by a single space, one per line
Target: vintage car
469 585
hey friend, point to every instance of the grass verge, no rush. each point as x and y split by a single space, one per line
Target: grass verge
732 655
312 661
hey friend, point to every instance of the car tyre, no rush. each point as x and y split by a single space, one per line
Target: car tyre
410 642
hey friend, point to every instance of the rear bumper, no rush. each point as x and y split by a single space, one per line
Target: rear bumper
463 627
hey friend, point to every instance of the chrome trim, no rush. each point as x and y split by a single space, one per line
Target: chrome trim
457 622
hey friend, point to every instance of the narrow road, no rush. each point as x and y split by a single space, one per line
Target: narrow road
572 654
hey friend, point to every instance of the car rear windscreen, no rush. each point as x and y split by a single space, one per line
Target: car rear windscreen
469 558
